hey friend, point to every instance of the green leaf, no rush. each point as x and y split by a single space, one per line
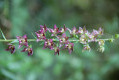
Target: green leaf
3 34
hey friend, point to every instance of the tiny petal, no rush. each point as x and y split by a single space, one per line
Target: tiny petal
24 50
55 27
74 30
69 30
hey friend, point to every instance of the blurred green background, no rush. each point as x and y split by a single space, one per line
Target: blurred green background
19 17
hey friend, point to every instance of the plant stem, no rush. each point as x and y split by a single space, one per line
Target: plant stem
10 40
32 40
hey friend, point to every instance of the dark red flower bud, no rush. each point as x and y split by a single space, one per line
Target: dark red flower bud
11 48
29 50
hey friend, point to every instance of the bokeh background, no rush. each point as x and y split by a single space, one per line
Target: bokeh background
19 17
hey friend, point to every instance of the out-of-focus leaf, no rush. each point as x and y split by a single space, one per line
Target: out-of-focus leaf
8 74
3 34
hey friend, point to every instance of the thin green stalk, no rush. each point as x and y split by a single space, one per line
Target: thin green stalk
10 40
32 40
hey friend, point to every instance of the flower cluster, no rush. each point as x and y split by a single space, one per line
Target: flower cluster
22 42
60 40
63 42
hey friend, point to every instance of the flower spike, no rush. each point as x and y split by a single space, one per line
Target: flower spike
60 40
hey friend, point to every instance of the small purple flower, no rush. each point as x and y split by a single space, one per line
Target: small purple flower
44 28
48 44
63 39
54 31
86 47
73 31
83 39
56 49
91 38
29 50
101 42
40 35
22 41
96 33
63 30
69 46
11 48
82 30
